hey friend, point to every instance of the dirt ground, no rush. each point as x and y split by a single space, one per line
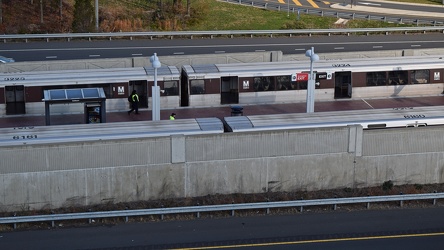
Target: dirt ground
386 189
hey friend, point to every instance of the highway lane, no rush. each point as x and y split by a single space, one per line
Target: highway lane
407 228
42 51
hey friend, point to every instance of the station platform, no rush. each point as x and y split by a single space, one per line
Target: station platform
224 111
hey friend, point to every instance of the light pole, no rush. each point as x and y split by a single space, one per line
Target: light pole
311 80
155 90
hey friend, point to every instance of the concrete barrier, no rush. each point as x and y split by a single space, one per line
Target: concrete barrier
89 173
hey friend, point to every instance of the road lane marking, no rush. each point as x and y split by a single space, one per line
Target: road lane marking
297 2
415 45
339 48
136 54
281 1
51 57
94 55
374 4
316 241
377 47
312 3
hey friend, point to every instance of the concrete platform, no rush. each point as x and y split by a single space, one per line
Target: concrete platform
223 111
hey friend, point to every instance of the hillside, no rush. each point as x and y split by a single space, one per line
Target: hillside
57 16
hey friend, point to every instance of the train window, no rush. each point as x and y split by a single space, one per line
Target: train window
284 83
376 78
171 88
263 83
420 76
197 87
398 78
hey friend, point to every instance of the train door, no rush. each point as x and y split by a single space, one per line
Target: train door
184 94
141 88
229 90
15 99
343 84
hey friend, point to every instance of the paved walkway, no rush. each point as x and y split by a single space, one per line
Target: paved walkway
362 6
224 111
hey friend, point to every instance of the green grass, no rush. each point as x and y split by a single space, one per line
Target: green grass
226 16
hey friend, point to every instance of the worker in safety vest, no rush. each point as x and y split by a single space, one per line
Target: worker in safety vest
134 99
173 116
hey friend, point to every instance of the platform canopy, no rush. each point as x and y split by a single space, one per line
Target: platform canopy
84 95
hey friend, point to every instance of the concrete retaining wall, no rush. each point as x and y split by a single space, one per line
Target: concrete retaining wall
179 60
77 174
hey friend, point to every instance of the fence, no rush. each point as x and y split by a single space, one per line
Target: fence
218 208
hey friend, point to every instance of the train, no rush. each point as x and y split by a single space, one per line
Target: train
368 119
207 85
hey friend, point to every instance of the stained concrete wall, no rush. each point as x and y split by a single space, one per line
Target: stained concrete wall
179 60
77 174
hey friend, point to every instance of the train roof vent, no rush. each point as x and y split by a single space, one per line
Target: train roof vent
205 68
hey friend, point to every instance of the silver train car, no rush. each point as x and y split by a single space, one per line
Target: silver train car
110 131
229 84
368 119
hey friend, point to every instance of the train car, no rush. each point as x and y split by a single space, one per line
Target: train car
368 119
111 131
22 93
227 84
275 82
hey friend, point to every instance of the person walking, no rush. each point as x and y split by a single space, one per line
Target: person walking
134 99
173 116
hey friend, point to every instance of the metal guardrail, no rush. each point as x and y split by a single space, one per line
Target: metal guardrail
339 14
218 208
211 34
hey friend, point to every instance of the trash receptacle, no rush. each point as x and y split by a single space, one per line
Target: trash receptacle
237 111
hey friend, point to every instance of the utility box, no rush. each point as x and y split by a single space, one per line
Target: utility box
93 112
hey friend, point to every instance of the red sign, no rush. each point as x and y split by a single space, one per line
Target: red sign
300 77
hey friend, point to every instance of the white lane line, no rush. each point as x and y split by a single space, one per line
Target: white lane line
136 54
415 45
367 103
94 55
178 53
219 51
374 4
377 47
300 49
51 57
339 48
259 50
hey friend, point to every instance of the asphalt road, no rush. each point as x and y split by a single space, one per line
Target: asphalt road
365 229
43 51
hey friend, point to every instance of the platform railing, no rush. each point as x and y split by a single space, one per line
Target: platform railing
299 204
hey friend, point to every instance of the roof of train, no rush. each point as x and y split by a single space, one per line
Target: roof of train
89 76
107 131
290 67
367 118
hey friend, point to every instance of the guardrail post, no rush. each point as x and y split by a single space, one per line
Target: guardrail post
240 2
353 16
279 8
198 213
368 18
417 22
385 19
322 13
337 14
400 20
265 6
434 200
52 223
401 203
126 218
15 225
